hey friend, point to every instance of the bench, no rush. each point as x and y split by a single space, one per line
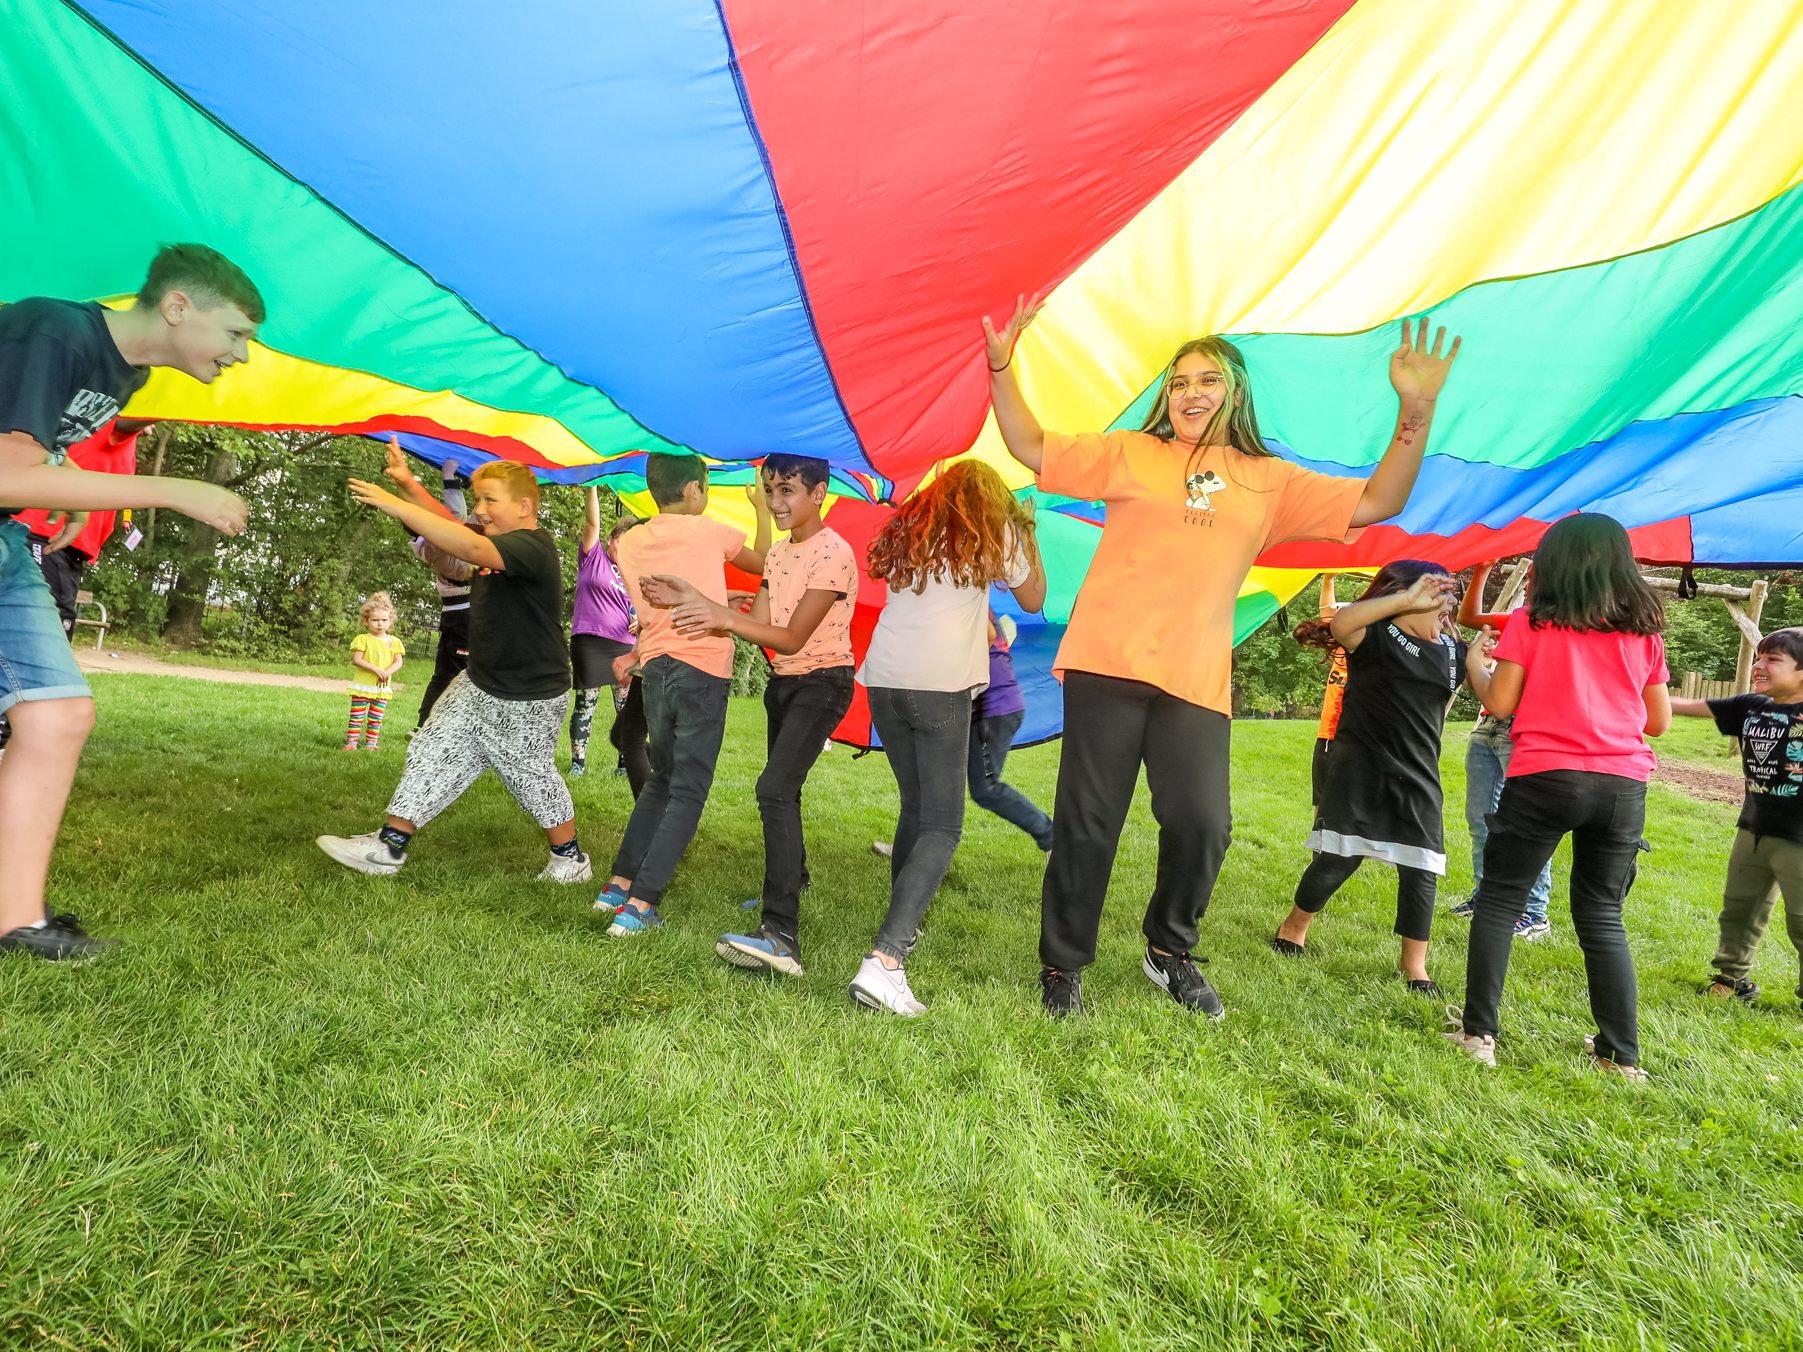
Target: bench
86 599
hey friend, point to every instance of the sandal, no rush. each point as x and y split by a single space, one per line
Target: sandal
1737 987
1284 948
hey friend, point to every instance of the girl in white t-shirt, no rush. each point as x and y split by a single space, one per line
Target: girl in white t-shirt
927 660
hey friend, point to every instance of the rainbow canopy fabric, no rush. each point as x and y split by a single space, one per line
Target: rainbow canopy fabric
575 233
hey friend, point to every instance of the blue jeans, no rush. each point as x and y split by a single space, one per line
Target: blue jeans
990 739
35 659
685 711
1486 766
926 736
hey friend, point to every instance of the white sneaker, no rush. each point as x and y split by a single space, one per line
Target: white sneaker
562 870
881 987
367 853
1479 1049
882 849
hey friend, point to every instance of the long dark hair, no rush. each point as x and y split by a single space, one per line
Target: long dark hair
1585 578
1400 574
1236 416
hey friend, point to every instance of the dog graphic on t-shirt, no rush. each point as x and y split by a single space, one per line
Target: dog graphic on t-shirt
1201 487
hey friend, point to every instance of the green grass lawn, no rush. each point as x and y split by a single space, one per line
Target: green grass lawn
306 1109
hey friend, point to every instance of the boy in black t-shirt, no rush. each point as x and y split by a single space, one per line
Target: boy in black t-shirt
1767 858
504 712
66 368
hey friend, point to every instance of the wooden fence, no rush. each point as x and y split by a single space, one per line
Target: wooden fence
1695 687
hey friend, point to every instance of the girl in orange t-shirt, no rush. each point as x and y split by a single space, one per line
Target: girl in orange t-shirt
1193 498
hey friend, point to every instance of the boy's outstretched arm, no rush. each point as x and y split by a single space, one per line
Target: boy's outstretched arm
1692 708
27 481
453 537
700 615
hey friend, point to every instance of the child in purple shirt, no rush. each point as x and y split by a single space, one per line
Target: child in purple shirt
995 720
600 629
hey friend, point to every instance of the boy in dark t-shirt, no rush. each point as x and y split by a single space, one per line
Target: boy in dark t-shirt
66 368
1767 857
504 712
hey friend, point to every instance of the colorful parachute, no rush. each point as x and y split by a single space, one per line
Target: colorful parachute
573 233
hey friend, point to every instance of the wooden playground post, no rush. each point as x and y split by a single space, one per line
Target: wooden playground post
1745 605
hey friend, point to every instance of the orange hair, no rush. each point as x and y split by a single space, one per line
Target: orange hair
964 529
521 486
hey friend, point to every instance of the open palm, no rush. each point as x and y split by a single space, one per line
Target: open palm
1418 371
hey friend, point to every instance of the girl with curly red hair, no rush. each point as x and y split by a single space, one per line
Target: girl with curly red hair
928 659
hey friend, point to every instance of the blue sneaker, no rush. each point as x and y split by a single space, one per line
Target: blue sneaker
1530 928
1465 909
756 903
612 898
632 922
765 949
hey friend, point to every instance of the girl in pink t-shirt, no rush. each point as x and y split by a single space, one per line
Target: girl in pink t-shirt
1582 668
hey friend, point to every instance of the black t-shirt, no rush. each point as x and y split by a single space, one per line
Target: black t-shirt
1771 757
1397 689
516 621
62 377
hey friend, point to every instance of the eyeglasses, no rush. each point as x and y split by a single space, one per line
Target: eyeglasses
1210 380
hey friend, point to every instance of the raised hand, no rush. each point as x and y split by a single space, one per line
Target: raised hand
754 494
999 347
396 467
1417 371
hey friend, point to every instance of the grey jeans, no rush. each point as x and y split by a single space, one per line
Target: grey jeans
926 736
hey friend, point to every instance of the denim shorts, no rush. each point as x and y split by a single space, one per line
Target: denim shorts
36 661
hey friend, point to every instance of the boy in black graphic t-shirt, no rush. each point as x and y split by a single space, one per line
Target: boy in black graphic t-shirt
66 368
505 710
1767 858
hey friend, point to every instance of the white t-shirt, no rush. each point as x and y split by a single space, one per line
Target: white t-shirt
937 638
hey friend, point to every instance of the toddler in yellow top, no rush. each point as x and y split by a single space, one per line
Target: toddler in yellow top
376 654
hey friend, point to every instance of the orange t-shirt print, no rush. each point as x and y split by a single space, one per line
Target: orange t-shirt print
1182 532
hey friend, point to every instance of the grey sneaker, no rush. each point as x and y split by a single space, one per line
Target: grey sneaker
1177 975
562 870
1479 1049
764 951
367 853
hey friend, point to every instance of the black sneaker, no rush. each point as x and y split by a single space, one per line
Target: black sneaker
61 940
1061 992
1177 975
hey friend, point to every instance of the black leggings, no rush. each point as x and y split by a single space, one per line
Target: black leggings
1414 891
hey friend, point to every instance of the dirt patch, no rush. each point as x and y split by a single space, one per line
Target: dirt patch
1712 786
137 664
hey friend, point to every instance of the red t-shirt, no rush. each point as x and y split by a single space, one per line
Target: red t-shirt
1581 705
106 456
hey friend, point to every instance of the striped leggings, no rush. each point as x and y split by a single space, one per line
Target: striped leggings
367 712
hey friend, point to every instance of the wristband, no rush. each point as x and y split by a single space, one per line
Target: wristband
997 370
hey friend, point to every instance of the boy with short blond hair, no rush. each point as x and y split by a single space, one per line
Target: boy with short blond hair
505 710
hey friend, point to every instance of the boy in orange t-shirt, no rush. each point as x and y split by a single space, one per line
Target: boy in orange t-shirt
686 679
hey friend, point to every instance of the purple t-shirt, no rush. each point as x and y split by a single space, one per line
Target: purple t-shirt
602 604
1004 694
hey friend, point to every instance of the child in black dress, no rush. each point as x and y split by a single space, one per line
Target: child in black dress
1381 798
